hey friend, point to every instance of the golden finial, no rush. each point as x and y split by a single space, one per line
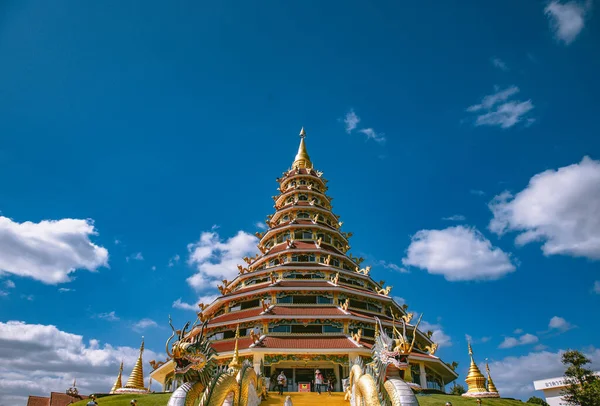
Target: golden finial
136 379
118 384
491 387
235 365
302 159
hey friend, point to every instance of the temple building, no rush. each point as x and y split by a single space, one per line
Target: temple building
305 302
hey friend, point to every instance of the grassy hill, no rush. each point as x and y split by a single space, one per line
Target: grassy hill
161 399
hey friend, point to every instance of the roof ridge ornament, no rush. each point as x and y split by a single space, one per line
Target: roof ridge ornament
302 160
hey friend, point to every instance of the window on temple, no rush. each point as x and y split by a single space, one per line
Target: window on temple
303 215
335 262
415 371
310 328
302 196
328 328
280 329
285 299
434 381
302 182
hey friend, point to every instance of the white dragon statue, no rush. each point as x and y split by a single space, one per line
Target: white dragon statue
381 382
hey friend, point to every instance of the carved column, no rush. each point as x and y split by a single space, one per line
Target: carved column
423 375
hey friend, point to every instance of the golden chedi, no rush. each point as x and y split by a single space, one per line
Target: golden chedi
476 382
135 383
490 386
118 384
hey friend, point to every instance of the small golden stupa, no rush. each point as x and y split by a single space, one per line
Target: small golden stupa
302 160
475 379
235 365
135 383
477 382
118 384
490 387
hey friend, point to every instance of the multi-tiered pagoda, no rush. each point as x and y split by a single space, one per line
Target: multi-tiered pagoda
306 303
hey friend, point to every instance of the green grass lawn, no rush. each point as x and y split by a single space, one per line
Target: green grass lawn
440 400
161 399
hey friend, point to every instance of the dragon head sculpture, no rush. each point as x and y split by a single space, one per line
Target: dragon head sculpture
192 354
391 353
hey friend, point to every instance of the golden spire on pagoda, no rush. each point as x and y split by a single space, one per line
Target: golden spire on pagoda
302 159
118 384
136 379
491 387
475 379
235 365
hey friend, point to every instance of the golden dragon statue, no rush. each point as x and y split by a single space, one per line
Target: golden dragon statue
383 381
203 382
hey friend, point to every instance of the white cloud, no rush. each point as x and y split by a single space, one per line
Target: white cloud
477 192
173 261
459 253
392 266
525 339
499 63
399 300
540 347
566 20
455 217
438 336
559 207
216 259
596 288
37 359
50 250
9 284
518 331
558 323
28 297
117 242
135 257
111 316
514 376
153 268
206 299
260 225
3 293
371 134
351 120
144 324
64 290
496 110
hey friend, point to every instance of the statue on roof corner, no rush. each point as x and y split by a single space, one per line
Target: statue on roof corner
203 382
387 379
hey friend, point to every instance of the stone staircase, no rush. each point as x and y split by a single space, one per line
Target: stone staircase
306 399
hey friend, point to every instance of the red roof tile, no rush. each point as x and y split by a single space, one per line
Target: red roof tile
322 342
38 401
306 311
62 399
225 346
231 316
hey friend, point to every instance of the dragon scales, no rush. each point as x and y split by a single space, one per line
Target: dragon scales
380 382
201 379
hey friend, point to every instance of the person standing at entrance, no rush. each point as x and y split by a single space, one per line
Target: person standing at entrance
318 380
281 382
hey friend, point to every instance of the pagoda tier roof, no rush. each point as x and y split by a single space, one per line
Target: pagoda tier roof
303 245
358 313
242 314
38 401
309 343
304 222
228 345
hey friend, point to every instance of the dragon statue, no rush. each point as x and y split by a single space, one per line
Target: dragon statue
383 381
202 379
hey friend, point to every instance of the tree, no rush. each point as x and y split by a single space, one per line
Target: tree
583 385
537 401
457 390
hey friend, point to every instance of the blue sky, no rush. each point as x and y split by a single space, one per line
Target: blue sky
144 132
